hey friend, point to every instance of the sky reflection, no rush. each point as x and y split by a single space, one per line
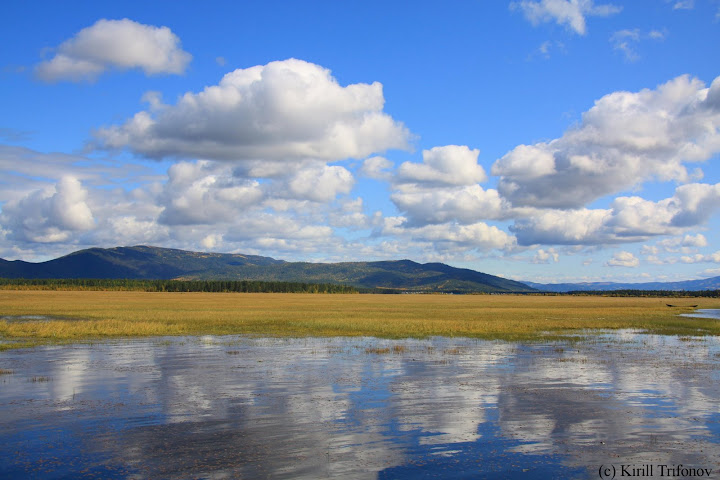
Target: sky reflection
222 407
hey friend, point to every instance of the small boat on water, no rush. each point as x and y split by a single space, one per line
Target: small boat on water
687 306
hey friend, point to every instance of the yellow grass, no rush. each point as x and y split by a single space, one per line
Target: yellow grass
98 314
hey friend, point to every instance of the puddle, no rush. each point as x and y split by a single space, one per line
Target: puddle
704 313
26 318
239 407
31 318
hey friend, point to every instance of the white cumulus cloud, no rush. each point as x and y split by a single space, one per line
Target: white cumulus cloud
464 204
695 204
211 241
625 139
675 244
700 258
623 259
451 235
205 192
546 256
121 44
130 230
629 219
444 188
560 227
446 165
377 168
320 184
284 110
50 215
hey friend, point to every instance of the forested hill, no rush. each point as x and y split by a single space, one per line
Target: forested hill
145 262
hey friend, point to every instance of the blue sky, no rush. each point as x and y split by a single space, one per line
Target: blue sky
543 140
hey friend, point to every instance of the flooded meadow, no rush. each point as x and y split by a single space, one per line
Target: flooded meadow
250 407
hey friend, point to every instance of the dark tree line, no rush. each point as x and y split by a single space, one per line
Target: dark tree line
649 293
257 286
239 286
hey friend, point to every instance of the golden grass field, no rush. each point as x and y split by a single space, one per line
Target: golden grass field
88 315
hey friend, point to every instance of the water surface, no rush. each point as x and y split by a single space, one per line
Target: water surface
704 313
239 407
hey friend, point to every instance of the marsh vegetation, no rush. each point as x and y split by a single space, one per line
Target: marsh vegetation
88 315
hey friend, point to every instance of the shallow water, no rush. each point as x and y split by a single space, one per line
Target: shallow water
238 407
28 318
704 313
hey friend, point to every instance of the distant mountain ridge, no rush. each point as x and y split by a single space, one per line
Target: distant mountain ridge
146 262
687 285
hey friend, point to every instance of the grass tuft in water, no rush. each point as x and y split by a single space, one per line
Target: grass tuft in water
377 350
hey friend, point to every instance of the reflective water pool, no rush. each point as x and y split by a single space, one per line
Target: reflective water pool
238 407
703 313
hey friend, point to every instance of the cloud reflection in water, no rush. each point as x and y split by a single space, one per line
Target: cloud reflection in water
222 407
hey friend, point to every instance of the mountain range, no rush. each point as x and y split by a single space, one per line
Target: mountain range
687 285
146 262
